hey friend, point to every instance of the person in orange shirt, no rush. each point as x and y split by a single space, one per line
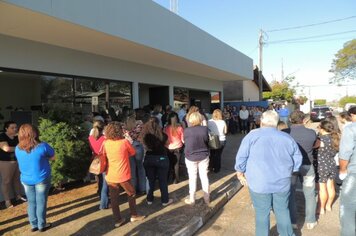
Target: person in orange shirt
118 151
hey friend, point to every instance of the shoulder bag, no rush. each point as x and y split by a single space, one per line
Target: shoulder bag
99 163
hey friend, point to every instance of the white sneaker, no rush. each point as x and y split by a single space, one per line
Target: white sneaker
311 225
168 203
189 202
149 203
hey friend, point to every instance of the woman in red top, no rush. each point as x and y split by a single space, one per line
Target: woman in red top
96 140
118 151
174 132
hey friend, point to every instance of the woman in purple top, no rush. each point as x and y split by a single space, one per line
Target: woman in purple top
197 156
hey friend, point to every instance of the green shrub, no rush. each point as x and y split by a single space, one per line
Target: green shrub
320 102
72 154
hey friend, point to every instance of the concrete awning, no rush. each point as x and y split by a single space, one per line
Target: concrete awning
103 28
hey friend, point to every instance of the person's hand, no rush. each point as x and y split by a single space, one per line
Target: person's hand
342 175
241 177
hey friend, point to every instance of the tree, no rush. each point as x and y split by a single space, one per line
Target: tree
347 99
344 64
281 90
72 154
319 102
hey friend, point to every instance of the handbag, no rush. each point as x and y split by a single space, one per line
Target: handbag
99 163
214 142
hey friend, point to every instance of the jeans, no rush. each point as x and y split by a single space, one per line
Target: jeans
174 159
215 157
193 167
138 175
37 202
306 175
244 125
157 166
263 202
103 192
348 205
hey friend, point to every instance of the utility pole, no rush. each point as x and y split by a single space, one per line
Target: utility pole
260 84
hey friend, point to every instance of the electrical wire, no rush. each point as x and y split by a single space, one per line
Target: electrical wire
310 25
316 41
311 37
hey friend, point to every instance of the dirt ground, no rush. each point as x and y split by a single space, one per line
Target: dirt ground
61 205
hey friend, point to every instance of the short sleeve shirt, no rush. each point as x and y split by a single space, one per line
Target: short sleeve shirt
8 156
34 166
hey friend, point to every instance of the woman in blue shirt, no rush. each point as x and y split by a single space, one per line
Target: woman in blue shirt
33 157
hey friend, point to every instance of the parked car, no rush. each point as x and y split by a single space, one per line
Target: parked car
319 113
349 105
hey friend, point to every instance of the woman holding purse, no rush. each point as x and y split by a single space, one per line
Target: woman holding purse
96 141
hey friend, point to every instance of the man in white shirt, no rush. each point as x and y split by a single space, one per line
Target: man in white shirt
243 114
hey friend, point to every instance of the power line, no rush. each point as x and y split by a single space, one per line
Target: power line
312 37
317 41
311 25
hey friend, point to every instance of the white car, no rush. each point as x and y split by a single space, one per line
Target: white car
349 105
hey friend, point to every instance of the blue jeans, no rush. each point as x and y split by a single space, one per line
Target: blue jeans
157 166
37 202
103 192
348 205
244 125
138 175
306 175
263 202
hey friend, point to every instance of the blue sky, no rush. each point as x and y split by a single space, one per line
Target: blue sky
237 23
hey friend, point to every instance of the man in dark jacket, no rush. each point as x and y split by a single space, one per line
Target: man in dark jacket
305 139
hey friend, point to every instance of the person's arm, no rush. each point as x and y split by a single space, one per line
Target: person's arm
130 149
297 157
343 166
6 148
50 152
241 161
347 146
225 128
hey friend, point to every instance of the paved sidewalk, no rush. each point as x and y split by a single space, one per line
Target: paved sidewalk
175 219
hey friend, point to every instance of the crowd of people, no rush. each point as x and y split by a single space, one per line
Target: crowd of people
272 159
244 118
143 146
146 145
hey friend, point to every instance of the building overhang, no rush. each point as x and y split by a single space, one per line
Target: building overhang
54 26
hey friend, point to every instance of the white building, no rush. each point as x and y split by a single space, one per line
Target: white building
132 53
84 55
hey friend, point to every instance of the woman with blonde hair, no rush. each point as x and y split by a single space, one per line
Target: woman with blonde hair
197 156
175 135
193 109
33 157
217 126
96 142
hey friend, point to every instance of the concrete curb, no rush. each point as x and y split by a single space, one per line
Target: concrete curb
198 221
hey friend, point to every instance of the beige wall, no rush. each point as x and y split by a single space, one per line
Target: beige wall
250 91
143 22
28 55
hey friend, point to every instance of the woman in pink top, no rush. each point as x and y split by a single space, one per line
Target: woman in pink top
96 140
174 132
